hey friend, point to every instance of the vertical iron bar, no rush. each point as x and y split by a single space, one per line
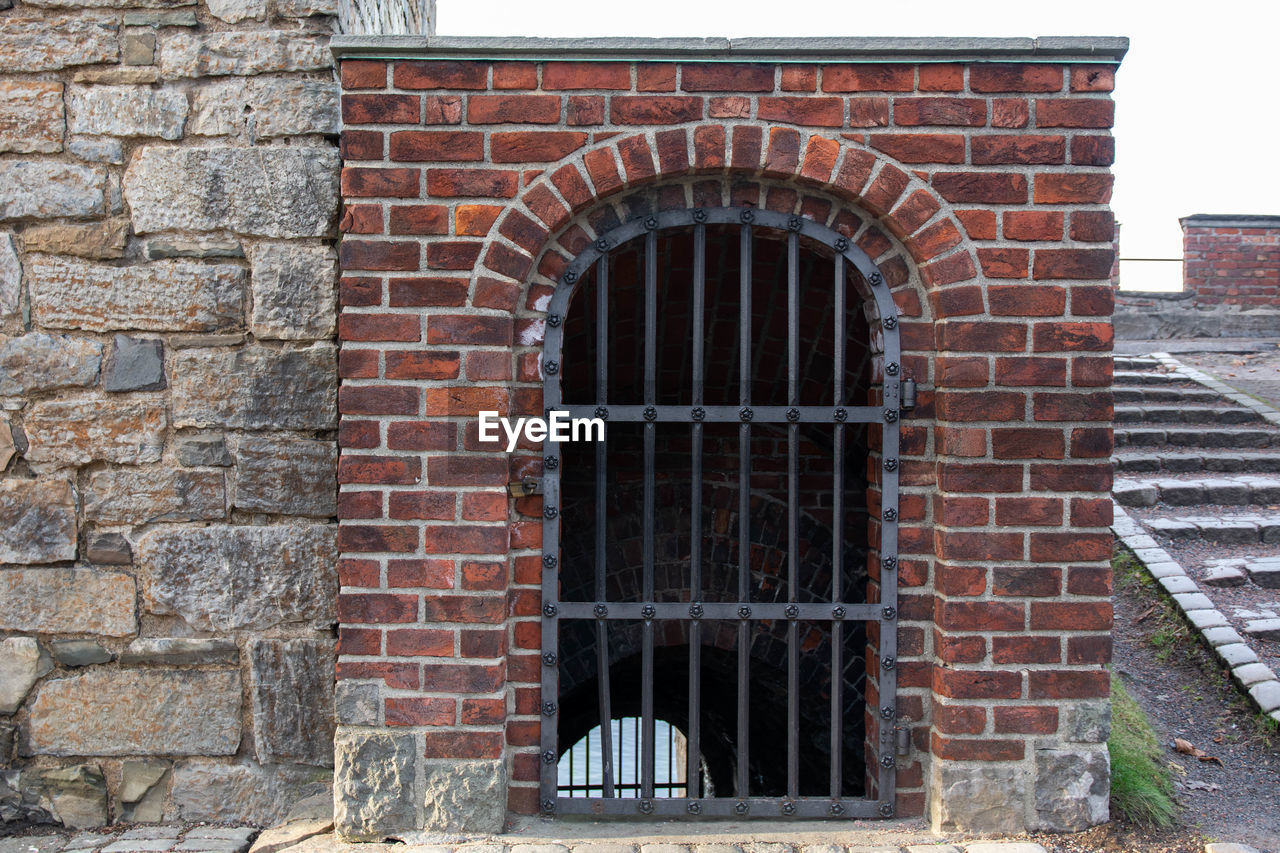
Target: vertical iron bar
793 514
837 543
650 436
741 785
694 745
602 518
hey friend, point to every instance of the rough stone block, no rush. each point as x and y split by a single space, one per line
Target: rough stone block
287 475
1085 722
172 18
134 365
976 799
306 8
96 149
165 296
67 601
76 430
31 119
241 54
180 651
357 703
21 665
40 362
204 449
240 793
142 790
73 653
44 43
151 712
464 796
177 247
234 11
208 189
138 48
258 388
222 578
293 291
265 108
108 548
99 240
374 784
1073 789
45 189
10 276
127 111
37 521
291 686
145 495
7 448
75 797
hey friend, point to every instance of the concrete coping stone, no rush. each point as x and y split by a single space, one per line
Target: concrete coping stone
1075 49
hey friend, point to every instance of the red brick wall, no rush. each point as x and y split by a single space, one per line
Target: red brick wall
1232 260
980 189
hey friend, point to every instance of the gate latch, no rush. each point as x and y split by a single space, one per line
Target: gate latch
526 487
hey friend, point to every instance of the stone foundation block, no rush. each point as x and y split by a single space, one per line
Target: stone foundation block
75 430
1072 788
464 796
283 474
31 116
40 362
240 793
255 388
291 685
375 785
45 189
37 522
67 601
977 798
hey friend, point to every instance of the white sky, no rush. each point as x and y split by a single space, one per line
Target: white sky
1197 97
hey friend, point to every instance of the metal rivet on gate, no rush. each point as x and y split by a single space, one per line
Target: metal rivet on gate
697 413
650 413
695 610
886 809
602 412
646 806
549 658
699 215
570 277
549 560
742 807
887 761
548 609
888 612
838 612
551 512
887 712
748 215
841 415
600 610
744 612
793 414
651 223
694 808
891 415
648 611
788 808
794 223
876 279
745 413
553 319
551 367
888 662
551 463
602 244
889 563
792 611
549 708
890 514
891 464
891 368
836 808
548 757
548 805
842 243
890 322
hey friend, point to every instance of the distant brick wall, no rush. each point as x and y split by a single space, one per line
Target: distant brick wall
1232 260
982 191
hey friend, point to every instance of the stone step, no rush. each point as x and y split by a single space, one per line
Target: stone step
1161 394
1263 571
1149 377
1223 529
1135 362
1244 490
1244 461
1186 413
1207 436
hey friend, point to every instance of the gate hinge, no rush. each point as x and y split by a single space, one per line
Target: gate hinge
526 487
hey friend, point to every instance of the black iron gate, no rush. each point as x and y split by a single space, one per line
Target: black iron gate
744 612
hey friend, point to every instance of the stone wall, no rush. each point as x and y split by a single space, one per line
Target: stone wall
168 198
1232 260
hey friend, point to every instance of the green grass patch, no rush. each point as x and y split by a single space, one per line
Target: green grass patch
1141 786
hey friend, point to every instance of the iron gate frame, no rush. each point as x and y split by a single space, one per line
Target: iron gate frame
744 612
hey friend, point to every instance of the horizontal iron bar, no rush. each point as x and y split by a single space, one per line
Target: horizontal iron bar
730 414
772 808
719 610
